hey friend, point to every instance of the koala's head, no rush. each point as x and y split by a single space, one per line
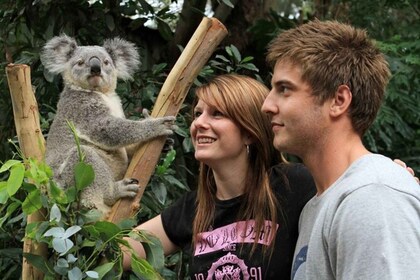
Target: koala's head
90 67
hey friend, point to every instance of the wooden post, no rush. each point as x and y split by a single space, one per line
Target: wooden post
32 144
202 44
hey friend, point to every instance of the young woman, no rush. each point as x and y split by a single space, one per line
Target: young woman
241 223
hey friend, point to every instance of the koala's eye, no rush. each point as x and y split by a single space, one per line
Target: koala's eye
106 62
80 62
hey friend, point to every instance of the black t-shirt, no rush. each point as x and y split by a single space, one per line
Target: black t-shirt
220 254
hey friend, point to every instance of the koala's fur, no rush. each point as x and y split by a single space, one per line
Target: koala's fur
89 101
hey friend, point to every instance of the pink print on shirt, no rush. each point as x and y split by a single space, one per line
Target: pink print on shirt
224 237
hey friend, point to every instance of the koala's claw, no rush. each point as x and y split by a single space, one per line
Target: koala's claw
132 181
127 187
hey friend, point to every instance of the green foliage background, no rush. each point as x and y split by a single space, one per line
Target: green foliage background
27 24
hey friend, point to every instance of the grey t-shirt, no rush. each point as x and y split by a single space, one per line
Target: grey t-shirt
365 226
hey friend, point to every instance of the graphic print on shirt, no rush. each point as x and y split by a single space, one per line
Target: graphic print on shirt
299 260
227 239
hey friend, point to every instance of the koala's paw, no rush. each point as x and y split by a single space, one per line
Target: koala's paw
127 187
160 125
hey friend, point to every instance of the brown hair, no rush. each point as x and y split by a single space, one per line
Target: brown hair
240 98
331 54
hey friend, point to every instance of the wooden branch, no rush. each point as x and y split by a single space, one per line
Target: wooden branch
202 44
32 144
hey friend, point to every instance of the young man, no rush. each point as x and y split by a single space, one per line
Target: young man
328 83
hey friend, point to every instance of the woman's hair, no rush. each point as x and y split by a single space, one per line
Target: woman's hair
240 99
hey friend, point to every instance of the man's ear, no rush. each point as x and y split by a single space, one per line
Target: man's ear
341 102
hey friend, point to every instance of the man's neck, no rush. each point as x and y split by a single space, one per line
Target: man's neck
328 162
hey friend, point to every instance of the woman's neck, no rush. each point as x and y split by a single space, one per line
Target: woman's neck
230 181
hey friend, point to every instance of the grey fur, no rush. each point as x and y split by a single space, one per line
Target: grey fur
89 101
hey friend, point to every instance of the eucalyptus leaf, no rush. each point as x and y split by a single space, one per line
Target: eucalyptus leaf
55 232
55 213
92 274
71 230
62 262
62 245
75 274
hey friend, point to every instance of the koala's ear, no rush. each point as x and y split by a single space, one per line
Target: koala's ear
57 52
125 56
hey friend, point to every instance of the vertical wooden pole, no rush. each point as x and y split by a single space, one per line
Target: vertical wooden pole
32 144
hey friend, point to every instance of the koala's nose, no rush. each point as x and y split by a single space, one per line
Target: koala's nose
95 66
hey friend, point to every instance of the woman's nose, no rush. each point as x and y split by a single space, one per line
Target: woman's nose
201 121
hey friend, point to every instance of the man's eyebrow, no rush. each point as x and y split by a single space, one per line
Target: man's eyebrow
279 83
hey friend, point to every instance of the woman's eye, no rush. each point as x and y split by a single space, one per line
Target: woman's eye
218 114
197 114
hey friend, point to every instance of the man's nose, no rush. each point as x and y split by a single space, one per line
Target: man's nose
95 65
268 106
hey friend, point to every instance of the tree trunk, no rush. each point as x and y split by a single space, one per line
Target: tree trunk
32 144
204 41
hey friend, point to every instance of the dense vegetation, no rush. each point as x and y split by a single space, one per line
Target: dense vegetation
161 29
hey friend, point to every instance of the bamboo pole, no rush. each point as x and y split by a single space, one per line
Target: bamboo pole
202 44
32 144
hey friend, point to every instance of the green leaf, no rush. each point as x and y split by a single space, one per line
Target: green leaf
143 269
32 202
110 23
102 270
228 3
236 53
37 261
4 196
154 251
164 29
71 194
160 192
107 229
15 179
8 164
10 210
58 194
83 175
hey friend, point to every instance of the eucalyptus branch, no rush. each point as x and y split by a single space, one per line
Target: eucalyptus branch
76 140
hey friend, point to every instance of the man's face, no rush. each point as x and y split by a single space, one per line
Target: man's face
298 121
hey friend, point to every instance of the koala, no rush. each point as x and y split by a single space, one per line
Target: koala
90 102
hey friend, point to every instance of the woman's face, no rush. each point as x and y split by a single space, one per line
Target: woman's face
216 138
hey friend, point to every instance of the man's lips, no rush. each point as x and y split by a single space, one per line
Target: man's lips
276 126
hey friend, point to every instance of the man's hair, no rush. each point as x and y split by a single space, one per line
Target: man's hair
331 54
